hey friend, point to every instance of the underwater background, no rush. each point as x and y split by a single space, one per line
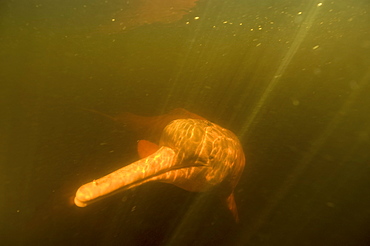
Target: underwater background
291 78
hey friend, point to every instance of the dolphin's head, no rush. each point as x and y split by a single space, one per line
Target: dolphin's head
212 152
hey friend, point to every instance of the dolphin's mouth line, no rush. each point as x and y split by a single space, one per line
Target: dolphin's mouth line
160 173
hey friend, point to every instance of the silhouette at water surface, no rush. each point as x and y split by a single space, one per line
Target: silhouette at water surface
132 14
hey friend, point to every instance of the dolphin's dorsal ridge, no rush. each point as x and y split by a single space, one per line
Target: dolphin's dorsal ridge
145 148
182 113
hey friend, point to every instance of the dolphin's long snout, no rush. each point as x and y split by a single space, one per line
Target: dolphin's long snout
127 177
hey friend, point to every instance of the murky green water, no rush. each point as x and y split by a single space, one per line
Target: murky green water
290 78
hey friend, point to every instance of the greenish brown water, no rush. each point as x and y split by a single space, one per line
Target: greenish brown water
290 78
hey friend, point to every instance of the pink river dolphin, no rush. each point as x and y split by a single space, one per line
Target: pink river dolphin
192 153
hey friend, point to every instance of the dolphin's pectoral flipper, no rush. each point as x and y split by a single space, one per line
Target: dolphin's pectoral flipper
230 201
194 154
146 148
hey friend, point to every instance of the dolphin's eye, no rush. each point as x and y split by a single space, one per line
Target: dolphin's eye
197 160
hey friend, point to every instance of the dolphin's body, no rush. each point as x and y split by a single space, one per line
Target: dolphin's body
193 154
